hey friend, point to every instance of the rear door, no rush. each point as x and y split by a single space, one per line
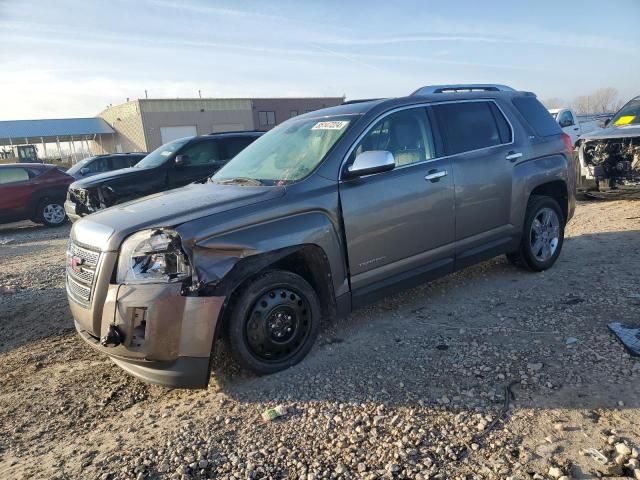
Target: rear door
479 140
201 159
399 224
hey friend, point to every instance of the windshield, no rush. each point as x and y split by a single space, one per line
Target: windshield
628 115
160 155
79 166
287 153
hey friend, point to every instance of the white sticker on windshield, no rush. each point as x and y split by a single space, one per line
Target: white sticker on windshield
166 153
336 125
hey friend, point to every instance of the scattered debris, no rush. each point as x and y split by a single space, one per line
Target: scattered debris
6 241
272 413
629 335
571 340
596 455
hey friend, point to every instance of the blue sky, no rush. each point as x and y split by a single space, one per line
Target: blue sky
72 58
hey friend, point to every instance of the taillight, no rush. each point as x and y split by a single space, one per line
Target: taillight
568 144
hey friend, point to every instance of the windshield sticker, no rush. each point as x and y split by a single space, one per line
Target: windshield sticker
625 120
166 153
336 125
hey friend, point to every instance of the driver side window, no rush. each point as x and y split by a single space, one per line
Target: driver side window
202 153
406 134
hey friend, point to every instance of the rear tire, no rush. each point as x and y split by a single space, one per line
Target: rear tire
51 213
542 235
274 321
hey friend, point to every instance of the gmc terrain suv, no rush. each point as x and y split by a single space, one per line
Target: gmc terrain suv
326 212
173 165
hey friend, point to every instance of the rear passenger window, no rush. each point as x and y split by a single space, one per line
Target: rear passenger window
234 146
12 175
537 116
120 162
406 134
470 126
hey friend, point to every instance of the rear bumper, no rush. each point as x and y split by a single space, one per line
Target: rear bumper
167 337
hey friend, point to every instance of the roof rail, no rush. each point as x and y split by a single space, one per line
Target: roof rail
235 132
359 100
470 87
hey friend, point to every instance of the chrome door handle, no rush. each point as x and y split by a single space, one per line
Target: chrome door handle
435 175
513 156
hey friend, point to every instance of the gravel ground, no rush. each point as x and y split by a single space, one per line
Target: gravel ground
489 373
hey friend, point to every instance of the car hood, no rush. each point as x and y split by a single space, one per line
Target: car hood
102 178
106 229
625 131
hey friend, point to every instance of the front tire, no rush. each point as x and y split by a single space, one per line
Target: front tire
542 235
51 213
273 322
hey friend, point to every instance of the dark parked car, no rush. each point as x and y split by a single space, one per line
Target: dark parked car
33 191
326 212
173 165
104 163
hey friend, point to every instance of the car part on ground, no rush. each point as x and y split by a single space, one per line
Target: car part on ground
313 220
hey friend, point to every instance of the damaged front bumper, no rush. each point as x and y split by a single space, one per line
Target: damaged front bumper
164 337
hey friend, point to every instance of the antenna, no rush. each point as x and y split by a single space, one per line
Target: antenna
145 94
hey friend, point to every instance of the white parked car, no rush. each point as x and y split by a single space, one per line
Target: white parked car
572 125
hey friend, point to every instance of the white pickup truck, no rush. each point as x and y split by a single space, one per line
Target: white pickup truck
572 125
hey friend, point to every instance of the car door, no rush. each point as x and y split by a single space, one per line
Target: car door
200 159
399 224
15 190
569 125
480 143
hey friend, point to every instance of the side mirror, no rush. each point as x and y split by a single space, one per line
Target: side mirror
373 161
84 171
181 160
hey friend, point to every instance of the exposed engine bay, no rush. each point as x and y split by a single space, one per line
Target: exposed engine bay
612 162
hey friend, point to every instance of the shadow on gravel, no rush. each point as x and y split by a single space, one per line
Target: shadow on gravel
458 341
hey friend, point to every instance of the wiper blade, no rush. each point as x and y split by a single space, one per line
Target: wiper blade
238 181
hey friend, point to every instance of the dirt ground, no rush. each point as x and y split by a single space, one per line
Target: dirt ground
489 373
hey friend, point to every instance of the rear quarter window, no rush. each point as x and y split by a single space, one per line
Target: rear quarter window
537 116
468 126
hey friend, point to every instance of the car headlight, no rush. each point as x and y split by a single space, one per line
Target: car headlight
152 256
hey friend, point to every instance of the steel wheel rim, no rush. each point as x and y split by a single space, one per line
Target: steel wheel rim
53 213
544 235
278 325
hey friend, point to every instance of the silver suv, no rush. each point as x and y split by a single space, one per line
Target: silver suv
326 212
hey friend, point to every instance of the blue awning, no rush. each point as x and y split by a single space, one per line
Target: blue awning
64 129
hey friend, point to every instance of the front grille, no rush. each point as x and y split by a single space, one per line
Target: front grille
82 266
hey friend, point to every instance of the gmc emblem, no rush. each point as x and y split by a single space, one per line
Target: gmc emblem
76 264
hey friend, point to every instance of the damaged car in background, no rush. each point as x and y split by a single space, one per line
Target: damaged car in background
610 158
173 165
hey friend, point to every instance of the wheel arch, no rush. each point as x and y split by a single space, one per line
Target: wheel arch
309 261
556 189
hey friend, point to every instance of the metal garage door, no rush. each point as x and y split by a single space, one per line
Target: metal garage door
171 133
